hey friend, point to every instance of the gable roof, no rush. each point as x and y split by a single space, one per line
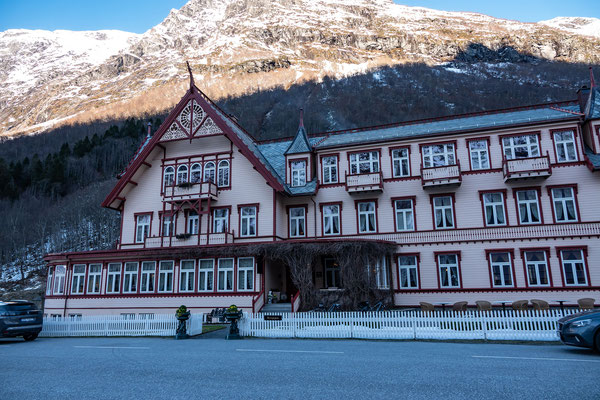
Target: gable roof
300 143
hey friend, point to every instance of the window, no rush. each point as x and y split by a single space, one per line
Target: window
168 225
479 154
566 150
449 274
113 283
297 221
298 169
438 155
381 274
331 220
223 174
128 316
521 147
408 272
193 222
364 163
405 217
187 275
225 275
443 212
182 174
75 317
169 176
573 267
148 276
493 206
400 163
130 278
537 268
367 220
220 220
78 279
196 173
49 281
332 273
247 221
330 169
245 279
501 269
206 270
209 172
146 315
564 204
94 278
529 208
142 228
165 276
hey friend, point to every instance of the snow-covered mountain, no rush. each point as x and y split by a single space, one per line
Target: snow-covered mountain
577 25
237 46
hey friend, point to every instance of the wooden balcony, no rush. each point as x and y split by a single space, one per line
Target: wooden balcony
191 191
525 168
361 183
441 176
203 239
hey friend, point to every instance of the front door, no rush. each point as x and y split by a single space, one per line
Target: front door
290 288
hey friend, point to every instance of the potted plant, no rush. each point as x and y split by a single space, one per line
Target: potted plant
182 236
182 315
185 185
233 314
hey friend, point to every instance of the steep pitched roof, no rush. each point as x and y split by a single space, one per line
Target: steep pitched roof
300 144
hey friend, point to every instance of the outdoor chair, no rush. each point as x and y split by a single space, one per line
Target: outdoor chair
520 305
460 306
540 304
483 305
586 304
426 306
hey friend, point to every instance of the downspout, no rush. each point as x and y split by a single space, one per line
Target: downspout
314 216
67 286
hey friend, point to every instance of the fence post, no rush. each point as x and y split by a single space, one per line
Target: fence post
413 319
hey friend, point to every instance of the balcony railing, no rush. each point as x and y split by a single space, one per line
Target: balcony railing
364 182
439 176
190 240
191 191
521 168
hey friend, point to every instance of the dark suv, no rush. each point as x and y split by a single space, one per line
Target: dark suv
581 330
20 318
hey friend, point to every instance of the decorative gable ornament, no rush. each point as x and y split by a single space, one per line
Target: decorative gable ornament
209 128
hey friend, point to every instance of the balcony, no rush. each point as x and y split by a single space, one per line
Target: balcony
441 176
361 183
191 191
203 239
524 168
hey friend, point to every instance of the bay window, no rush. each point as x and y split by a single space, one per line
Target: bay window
367 218
165 276
130 278
94 278
573 265
329 165
528 207
223 174
225 275
298 171
449 270
78 284
566 149
245 278
400 163
113 280
247 221
206 271
297 217
493 206
479 154
142 227
438 155
563 200
501 266
148 276
536 266
408 272
220 220
364 163
331 220
443 212
524 146
405 216
187 275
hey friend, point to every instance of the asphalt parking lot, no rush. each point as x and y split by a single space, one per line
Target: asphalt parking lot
210 367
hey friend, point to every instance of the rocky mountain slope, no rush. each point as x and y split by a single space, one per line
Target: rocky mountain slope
240 46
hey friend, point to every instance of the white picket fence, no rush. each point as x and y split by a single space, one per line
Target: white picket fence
116 325
443 325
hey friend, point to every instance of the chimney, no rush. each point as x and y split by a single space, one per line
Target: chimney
149 129
583 95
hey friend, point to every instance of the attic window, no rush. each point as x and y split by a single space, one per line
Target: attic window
298 173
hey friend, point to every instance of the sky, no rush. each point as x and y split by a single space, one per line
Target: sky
140 15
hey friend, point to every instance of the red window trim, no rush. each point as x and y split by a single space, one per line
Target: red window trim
356 203
575 139
410 174
453 196
212 213
135 215
158 274
418 256
239 207
511 253
196 276
503 192
108 263
575 196
289 167
84 279
437 263
139 270
522 251
528 133
160 219
331 203
236 272
321 176
454 142
349 153
584 250
287 211
538 189
478 139
414 204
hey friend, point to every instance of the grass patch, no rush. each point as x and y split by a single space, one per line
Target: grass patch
212 328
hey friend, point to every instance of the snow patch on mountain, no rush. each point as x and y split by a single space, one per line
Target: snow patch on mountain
578 25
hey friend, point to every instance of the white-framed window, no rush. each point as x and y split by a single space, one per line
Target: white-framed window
298 171
49 280
382 279
524 146
297 222
247 221
225 275
209 172
113 280
331 220
367 217
130 277
168 225
142 227
480 158
443 212
438 155
165 276
364 163
223 174
400 163
563 200
332 273
206 272
501 265
404 214
220 220
449 273
245 278
566 149
408 272
196 173
148 276
182 174
529 207
574 267
94 278
169 176
193 222
330 169
537 268
78 279
493 206
187 275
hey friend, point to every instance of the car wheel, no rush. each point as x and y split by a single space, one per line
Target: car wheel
29 338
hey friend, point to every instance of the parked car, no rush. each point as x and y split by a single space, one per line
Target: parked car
20 318
581 330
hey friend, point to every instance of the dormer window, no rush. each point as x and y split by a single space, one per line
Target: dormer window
298 173
182 174
169 176
364 163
